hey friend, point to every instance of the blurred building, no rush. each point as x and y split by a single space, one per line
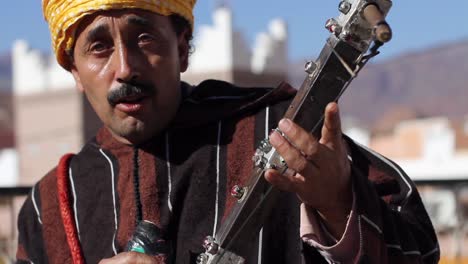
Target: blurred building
222 53
48 112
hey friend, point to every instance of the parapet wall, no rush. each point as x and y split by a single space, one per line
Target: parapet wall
221 48
34 72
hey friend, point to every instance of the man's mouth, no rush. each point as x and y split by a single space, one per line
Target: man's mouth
129 93
133 99
130 104
130 97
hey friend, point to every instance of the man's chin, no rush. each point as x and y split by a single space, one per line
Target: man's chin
132 133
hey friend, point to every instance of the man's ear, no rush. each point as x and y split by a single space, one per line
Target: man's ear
76 76
184 49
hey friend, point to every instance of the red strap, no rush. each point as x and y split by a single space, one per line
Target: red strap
66 211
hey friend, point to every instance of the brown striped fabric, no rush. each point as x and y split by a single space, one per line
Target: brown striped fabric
239 169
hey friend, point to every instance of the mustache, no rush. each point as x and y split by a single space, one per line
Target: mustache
126 90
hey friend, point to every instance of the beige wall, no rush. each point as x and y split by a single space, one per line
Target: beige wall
404 143
47 125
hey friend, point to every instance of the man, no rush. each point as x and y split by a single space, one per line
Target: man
169 153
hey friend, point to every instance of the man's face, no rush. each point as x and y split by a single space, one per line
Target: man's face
128 63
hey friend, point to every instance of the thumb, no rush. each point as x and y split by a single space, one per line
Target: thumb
331 129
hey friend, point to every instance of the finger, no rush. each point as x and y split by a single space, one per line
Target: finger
278 180
331 130
304 141
282 182
290 154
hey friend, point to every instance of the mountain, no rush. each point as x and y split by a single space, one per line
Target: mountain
5 72
6 104
6 120
431 82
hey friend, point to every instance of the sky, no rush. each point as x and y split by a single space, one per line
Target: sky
416 24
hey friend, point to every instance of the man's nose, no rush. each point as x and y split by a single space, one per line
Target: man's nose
127 65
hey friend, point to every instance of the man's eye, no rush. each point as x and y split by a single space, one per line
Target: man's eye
145 38
98 47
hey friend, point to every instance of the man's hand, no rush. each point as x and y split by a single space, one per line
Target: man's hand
323 171
133 258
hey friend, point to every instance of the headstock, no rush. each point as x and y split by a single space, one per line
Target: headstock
361 22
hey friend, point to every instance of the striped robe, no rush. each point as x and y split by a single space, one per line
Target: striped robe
186 174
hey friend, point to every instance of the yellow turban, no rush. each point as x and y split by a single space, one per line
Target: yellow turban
64 15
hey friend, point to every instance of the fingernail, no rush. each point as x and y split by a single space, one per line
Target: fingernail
285 124
333 107
275 138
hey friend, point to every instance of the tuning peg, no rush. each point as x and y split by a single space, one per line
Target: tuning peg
333 26
381 28
310 67
344 7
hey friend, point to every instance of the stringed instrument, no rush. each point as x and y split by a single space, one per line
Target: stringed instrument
356 35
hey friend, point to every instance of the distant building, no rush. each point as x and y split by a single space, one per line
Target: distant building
48 112
222 53
428 149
